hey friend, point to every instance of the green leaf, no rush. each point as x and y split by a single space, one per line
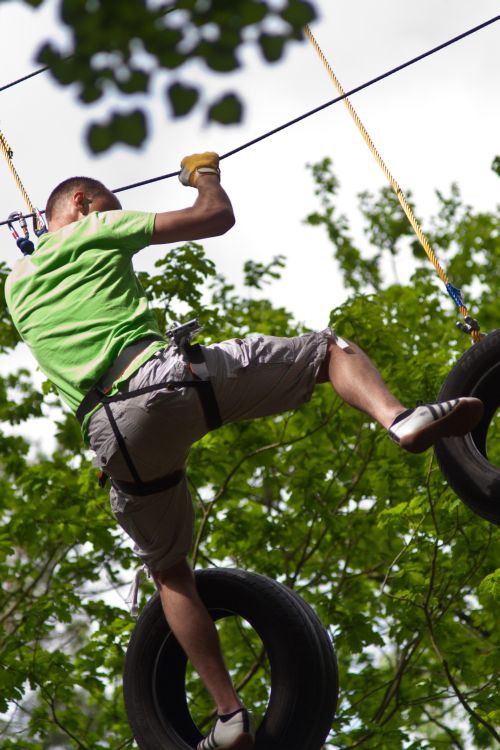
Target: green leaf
127 128
91 92
272 46
182 98
298 13
226 110
217 57
491 585
137 82
252 11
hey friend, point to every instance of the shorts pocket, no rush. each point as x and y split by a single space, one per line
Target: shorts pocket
142 518
263 350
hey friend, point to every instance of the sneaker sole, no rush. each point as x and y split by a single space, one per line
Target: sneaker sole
461 420
243 742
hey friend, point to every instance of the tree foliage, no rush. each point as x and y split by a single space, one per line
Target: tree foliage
401 572
122 48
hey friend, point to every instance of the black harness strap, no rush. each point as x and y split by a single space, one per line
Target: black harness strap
152 487
122 445
94 396
206 392
210 409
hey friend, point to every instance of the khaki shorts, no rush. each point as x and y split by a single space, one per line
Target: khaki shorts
252 377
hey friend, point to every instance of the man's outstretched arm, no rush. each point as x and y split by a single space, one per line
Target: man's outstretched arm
209 216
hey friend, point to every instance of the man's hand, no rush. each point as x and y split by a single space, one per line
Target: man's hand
209 216
198 164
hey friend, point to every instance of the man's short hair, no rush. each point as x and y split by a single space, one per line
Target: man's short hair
68 187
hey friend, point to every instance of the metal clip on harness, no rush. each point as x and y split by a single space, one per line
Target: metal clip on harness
181 337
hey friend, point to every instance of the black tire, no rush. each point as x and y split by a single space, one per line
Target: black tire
464 460
304 678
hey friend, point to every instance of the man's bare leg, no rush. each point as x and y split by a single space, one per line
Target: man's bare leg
195 630
358 382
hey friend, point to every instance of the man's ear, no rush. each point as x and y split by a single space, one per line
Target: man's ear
81 202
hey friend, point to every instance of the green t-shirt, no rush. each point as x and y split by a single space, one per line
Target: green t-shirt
77 302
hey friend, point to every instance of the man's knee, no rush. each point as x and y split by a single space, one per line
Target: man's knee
176 576
334 352
324 368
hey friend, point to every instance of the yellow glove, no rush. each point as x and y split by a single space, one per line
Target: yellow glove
196 164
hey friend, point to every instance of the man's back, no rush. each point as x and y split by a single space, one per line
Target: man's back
77 302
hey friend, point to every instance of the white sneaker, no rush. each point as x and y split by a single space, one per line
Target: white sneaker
237 733
417 429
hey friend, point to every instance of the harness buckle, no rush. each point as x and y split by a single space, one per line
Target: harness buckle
182 333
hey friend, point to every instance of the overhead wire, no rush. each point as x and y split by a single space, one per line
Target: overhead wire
329 103
24 78
32 75
351 92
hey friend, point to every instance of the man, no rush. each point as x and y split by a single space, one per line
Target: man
78 305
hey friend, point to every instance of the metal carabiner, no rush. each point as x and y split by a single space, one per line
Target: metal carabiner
469 326
24 244
39 225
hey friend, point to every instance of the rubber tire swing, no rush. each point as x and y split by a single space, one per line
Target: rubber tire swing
464 460
304 677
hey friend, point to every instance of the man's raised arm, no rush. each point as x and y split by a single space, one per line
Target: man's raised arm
209 216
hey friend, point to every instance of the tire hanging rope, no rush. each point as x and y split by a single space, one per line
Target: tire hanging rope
463 460
470 326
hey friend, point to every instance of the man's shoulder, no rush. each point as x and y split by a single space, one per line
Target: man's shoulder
130 227
97 221
123 225
122 216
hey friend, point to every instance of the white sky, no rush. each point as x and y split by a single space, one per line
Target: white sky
434 123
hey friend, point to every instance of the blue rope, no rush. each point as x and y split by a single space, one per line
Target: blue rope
455 294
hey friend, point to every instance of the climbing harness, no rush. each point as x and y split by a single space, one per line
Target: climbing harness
469 326
39 227
180 336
